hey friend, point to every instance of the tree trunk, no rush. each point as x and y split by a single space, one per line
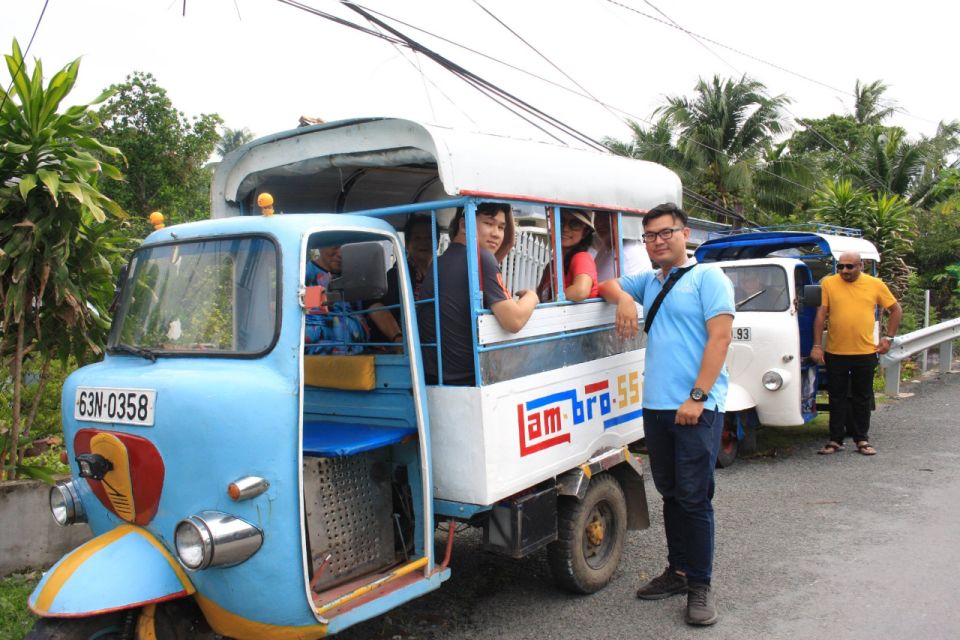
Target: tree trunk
35 405
17 372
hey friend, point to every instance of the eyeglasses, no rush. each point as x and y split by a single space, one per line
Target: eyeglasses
841 266
663 234
573 224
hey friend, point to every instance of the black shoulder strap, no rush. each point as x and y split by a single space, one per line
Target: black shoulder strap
672 280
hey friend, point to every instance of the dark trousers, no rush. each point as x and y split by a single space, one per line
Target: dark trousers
850 385
682 459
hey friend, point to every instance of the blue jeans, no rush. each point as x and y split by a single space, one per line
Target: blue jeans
682 458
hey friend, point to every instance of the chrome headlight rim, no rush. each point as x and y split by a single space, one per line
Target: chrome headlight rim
65 504
772 380
205 542
224 540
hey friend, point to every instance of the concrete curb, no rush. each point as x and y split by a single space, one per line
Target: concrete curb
29 537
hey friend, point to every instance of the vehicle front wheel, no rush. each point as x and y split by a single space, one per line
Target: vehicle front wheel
108 626
590 536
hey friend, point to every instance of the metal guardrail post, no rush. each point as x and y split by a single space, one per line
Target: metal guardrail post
946 356
891 379
942 335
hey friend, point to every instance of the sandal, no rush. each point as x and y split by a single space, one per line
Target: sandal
865 448
831 447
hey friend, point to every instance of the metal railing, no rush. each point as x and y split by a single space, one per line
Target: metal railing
919 341
524 264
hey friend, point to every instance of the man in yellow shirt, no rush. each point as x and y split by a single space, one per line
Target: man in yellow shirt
850 298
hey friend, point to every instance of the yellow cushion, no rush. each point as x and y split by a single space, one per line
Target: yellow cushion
350 373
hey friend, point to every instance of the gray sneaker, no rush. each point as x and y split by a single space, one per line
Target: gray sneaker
701 605
669 583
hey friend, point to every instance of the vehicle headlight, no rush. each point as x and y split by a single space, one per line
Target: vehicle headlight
65 504
772 381
215 539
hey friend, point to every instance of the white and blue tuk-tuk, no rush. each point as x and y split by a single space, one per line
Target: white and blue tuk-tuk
238 486
775 271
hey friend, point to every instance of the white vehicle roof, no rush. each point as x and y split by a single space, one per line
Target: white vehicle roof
403 162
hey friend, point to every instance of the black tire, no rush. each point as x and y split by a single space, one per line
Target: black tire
103 627
729 445
590 536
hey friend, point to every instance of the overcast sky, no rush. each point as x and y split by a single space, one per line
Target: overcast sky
262 64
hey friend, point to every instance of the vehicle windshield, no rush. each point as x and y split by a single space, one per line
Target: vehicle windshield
217 297
759 287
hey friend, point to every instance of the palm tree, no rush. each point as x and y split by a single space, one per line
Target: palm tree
868 106
654 144
233 139
891 163
723 129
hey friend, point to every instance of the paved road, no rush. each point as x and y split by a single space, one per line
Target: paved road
808 546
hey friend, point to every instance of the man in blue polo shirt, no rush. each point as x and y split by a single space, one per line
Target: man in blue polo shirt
684 392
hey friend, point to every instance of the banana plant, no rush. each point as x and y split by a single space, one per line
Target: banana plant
59 235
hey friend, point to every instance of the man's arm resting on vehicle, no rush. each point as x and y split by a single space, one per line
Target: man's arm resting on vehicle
513 313
719 336
627 324
816 351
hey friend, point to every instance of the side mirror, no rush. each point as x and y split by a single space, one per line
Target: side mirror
364 272
810 296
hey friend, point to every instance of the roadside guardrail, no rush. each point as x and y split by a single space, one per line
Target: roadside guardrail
942 334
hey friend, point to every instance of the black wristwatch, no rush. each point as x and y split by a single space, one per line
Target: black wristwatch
698 395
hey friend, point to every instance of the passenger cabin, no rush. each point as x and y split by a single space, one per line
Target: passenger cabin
392 169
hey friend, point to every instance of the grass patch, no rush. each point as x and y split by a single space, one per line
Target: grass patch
773 442
15 618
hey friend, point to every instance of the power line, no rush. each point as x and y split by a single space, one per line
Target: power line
715 207
758 59
784 107
23 58
487 88
473 78
548 60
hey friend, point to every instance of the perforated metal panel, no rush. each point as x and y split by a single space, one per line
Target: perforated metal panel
348 512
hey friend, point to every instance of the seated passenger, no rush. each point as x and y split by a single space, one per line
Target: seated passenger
327 333
634 258
417 235
495 237
579 270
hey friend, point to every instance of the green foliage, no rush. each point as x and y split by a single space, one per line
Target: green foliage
166 152
233 139
60 236
15 617
723 130
886 220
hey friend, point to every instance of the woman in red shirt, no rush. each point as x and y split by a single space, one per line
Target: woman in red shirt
579 269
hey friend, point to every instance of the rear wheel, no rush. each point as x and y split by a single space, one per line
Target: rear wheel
590 536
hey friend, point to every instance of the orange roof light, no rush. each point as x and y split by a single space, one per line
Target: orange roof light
265 202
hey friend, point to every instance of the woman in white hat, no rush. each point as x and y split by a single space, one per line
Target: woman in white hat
579 269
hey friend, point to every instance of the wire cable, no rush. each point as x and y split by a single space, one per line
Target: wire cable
24 57
761 60
796 119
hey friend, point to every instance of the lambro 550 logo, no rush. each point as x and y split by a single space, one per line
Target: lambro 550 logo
549 420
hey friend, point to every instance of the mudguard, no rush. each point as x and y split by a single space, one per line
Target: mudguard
738 399
123 568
